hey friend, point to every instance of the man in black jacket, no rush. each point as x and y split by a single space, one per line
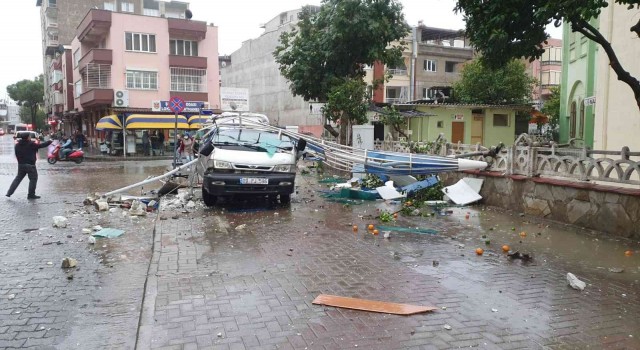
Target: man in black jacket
26 154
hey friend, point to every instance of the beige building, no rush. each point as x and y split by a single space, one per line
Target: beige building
432 61
617 118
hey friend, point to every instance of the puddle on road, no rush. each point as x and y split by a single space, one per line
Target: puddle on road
546 239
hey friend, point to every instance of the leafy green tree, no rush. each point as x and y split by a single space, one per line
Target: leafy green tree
347 102
29 94
41 117
504 30
394 119
551 109
479 83
330 48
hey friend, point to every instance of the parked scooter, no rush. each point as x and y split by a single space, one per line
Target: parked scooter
76 155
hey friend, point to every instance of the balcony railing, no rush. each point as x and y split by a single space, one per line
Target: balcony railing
151 12
396 71
550 63
96 76
395 100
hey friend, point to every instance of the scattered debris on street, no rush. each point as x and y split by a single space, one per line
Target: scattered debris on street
574 282
68 263
60 222
371 305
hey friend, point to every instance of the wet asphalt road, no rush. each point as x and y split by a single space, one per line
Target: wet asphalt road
254 286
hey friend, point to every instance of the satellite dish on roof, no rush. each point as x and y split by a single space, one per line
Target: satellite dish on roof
188 14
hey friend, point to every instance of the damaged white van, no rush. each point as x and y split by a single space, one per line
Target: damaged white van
246 158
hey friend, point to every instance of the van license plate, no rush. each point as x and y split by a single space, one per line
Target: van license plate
254 181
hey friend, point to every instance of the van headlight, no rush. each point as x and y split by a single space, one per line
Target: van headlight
219 164
282 168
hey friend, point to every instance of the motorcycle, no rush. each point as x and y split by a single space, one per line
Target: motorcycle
76 155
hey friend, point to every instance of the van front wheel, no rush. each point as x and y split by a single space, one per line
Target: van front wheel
285 198
209 200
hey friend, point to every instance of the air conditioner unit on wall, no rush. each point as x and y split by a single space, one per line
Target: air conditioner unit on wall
121 98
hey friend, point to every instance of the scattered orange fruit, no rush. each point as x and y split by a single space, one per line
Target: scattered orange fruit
523 234
628 253
355 228
505 248
395 215
479 251
408 203
370 227
376 232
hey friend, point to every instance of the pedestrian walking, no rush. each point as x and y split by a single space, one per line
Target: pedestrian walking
187 148
26 151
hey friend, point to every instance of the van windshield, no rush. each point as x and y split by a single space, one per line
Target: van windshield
258 140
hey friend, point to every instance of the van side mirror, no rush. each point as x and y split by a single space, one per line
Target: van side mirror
206 149
302 144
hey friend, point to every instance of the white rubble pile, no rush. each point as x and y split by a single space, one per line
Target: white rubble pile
60 221
138 208
574 282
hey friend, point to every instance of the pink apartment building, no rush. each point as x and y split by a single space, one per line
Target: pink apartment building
126 63
547 70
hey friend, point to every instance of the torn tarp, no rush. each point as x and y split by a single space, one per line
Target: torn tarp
109 233
461 193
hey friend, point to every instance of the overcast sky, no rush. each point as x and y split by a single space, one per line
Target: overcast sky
237 20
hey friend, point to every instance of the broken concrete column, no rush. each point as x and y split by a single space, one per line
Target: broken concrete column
101 205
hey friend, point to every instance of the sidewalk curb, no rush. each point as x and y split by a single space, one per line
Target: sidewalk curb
146 321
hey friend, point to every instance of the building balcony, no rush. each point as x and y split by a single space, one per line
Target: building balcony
94 26
96 96
57 86
187 29
98 56
188 61
56 63
58 99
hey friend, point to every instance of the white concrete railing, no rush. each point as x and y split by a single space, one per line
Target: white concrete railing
525 157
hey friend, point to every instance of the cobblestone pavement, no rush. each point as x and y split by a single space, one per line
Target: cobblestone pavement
215 286
40 306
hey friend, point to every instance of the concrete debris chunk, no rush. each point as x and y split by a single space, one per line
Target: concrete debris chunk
86 231
101 205
92 240
68 263
241 227
60 221
574 282
191 205
138 208
97 228
116 211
